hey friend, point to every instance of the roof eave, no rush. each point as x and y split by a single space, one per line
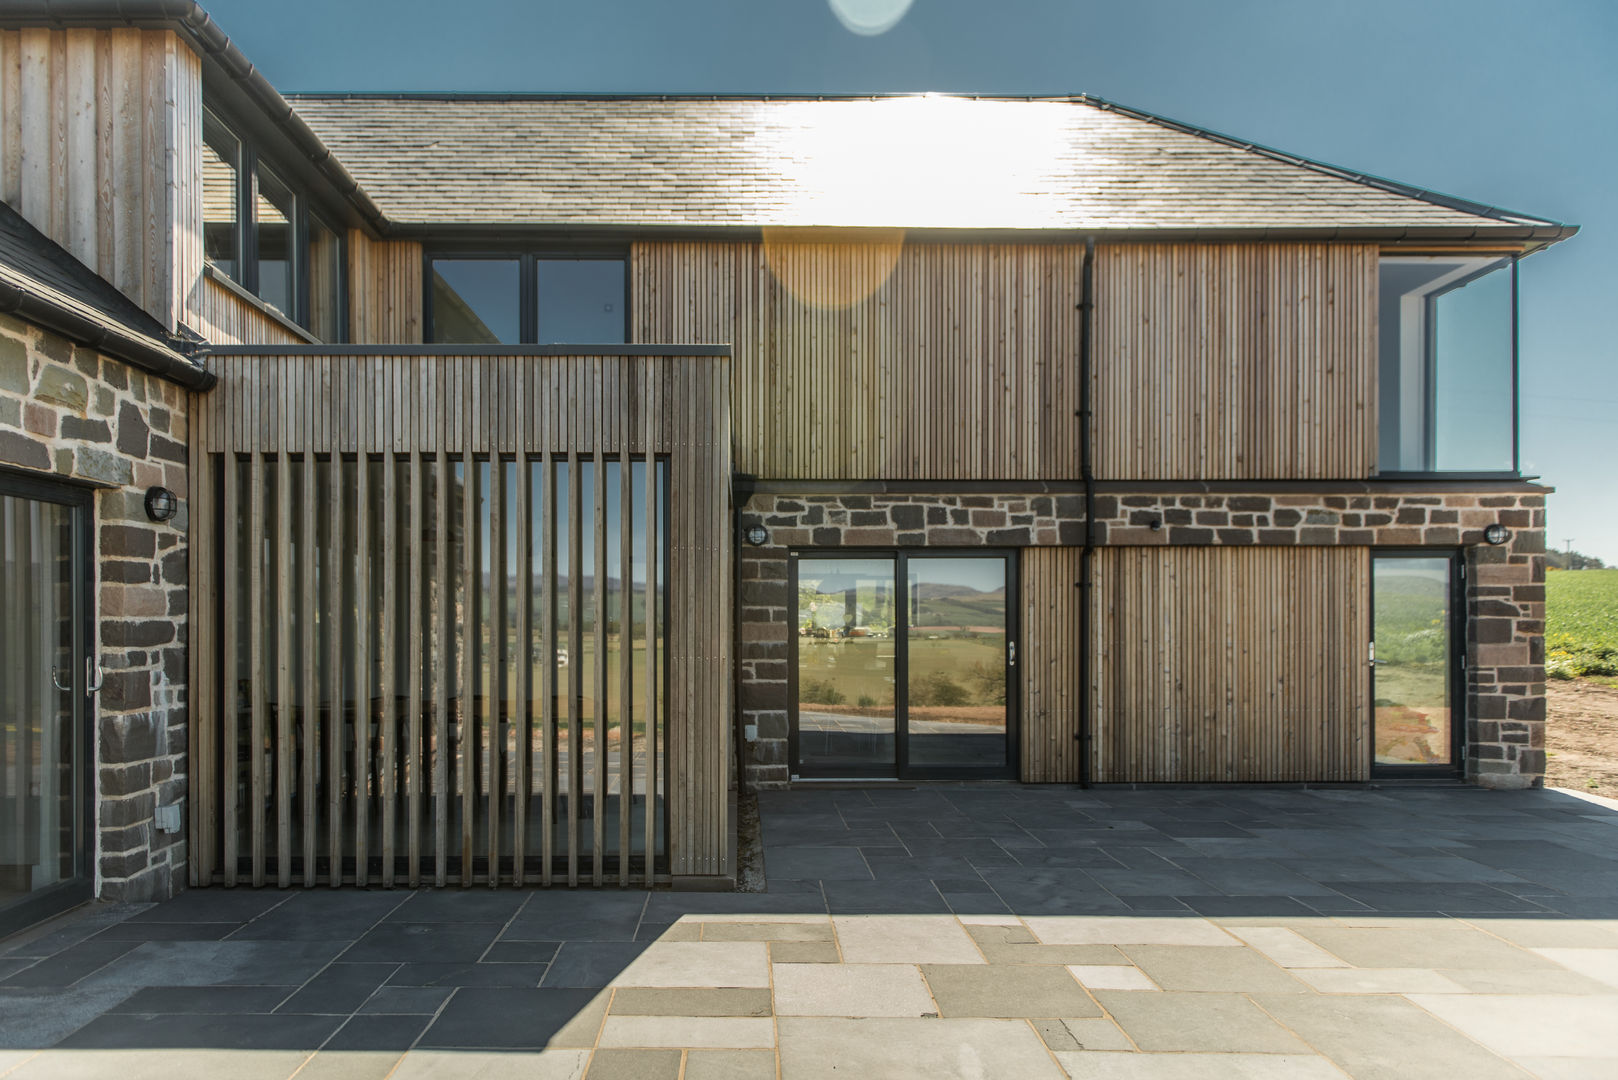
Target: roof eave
190 21
40 304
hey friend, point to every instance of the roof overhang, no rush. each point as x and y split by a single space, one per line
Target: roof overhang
81 323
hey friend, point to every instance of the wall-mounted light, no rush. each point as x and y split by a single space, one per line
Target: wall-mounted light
1156 524
757 535
161 503
1496 534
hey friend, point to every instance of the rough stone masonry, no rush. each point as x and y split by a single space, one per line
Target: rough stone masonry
70 412
1505 585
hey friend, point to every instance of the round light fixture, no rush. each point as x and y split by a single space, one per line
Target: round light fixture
757 535
1496 534
161 504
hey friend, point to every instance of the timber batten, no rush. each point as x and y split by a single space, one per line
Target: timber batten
1230 664
420 696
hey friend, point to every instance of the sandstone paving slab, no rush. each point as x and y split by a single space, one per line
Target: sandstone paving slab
1132 1066
804 952
1423 946
1107 930
656 1001
1016 945
350 1065
1534 981
1201 967
1565 1068
634 1065
1286 947
167 1064
1006 992
904 939
726 1032
1385 1037
815 1048
698 963
704 918
730 1065
1206 1022
1598 964
551 1064
851 990
1520 1026
1552 933
767 931
1082 1033
1380 981
1112 977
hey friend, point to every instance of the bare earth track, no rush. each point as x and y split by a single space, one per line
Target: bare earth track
1582 737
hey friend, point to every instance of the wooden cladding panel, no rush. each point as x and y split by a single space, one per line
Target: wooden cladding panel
1235 361
384 289
902 361
1050 665
224 318
366 432
96 151
1230 664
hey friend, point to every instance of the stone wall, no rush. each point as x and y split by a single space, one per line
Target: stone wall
1505 585
70 412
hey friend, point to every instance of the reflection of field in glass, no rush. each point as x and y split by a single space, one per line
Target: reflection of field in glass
952 677
1413 657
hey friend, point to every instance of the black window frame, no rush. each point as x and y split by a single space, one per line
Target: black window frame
528 257
303 207
903 771
1460 687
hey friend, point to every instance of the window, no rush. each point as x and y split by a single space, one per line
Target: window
477 301
221 181
262 232
1448 365
527 298
273 215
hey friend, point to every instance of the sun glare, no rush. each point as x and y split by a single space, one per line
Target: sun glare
868 18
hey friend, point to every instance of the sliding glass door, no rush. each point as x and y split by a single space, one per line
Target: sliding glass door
904 665
44 701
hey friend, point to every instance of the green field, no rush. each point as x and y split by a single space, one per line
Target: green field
1581 623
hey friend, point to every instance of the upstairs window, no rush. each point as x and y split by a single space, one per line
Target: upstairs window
263 233
527 299
221 187
1447 375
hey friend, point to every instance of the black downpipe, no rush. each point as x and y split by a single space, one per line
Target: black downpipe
1087 473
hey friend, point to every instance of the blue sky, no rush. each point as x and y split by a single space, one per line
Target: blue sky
1506 103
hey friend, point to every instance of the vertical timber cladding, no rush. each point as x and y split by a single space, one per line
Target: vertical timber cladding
1051 670
885 359
276 796
1235 361
1231 664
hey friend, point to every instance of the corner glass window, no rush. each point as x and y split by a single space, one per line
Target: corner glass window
580 301
221 172
325 281
1447 365
476 301
273 215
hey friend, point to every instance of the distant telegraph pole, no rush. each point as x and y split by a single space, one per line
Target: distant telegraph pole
1569 544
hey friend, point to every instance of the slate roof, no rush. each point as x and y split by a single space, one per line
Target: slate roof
925 162
45 283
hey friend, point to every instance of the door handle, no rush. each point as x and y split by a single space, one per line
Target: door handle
93 677
1011 654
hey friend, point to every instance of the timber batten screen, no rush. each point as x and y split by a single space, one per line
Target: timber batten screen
442 632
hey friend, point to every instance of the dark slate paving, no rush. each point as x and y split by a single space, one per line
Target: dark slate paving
391 970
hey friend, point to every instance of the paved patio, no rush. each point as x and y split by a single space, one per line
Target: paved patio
942 932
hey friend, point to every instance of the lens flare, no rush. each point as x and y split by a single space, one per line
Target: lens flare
868 18
832 269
